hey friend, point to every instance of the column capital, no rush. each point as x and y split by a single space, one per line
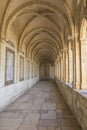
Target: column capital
2 40
62 51
60 55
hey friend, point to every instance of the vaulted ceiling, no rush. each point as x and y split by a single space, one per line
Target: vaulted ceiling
38 28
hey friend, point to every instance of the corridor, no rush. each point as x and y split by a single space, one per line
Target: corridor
40 108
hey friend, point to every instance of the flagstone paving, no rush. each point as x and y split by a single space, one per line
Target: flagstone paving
41 108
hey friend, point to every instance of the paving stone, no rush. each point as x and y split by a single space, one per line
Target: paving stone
27 127
51 128
57 129
49 115
42 128
41 108
39 101
32 118
68 128
43 111
36 107
48 122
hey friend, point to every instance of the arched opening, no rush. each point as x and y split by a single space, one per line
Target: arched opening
46 70
83 38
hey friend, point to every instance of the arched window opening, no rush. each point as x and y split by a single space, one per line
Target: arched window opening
83 38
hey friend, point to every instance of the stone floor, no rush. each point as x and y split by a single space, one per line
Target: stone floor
41 108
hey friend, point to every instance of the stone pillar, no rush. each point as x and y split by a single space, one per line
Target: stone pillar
16 66
63 66
60 67
70 63
57 68
76 64
66 65
34 69
54 70
2 63
25 67
30 70
0 57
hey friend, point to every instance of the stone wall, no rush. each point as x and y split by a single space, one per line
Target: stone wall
21 78
11 92
76 101
43 70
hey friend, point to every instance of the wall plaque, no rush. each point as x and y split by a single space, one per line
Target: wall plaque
9 69
21 68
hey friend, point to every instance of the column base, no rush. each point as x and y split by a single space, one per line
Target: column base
76 85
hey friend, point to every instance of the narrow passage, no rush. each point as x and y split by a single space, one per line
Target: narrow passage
41 108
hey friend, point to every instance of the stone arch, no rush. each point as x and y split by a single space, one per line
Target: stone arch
17 12
83 40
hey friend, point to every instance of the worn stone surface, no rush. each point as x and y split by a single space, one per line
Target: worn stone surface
41 108
76 102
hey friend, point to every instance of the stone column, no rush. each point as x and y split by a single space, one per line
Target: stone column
30 69
17 66
76 64
60 67
66 65
25 74
63 66
70 63
2 63
57 68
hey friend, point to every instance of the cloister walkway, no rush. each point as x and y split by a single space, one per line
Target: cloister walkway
41 108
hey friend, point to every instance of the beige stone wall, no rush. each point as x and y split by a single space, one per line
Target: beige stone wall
11 92
76 101
42 72
8 93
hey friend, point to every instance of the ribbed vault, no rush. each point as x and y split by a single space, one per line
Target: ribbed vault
38 27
